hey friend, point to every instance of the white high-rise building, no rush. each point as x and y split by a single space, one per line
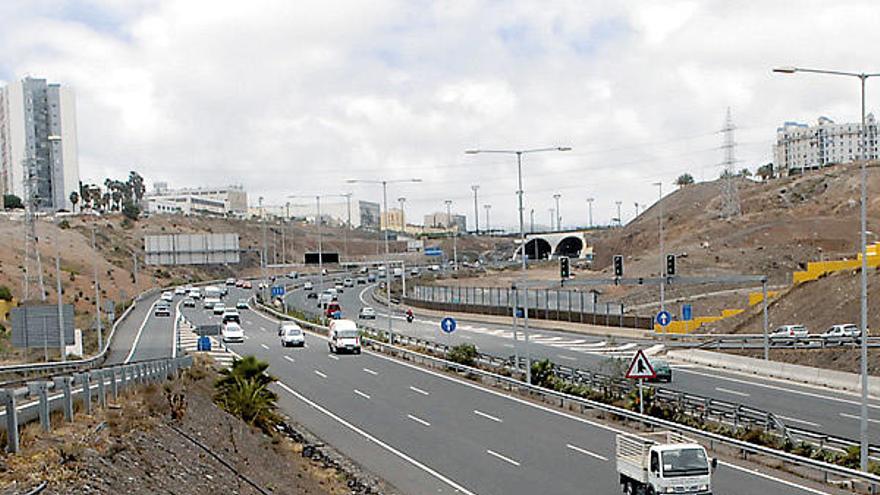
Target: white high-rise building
38 127
802 147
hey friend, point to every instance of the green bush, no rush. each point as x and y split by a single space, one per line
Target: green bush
542 373
5 293
465 354
64 224
243 391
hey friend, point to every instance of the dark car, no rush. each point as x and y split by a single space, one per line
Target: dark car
312 295
663 371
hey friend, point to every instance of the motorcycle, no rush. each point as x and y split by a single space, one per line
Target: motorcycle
409 317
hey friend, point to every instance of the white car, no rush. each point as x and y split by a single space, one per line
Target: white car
842 333
292 336
308 286
219 308
230 281
367 313
789 333
195 293
180 291
189 302
168 296
344 337
434 268
232 332
231 315
162 309
241 304
293 275
348 282
210 302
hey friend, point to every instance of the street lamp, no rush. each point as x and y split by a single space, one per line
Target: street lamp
619 219
863 227
448 203
522 232
488 225
558 213
590 209
384 184
552 216
474 188
662 256
402 202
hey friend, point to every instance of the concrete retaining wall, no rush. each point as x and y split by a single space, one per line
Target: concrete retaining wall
793 372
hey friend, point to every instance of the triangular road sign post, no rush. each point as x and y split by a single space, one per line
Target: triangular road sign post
640 367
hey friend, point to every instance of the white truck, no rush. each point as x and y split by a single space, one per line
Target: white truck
213 292
663 462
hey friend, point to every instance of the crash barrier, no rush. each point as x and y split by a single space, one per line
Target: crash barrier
38 399
564 400
818 269
544 304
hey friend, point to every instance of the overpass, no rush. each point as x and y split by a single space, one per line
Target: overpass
573 243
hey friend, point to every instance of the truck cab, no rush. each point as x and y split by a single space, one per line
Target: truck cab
663 463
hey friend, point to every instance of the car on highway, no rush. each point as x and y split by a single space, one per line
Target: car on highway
367 313
344 337
414 271
292 336
168 296
189 302
231 315
364 270
210 302
789 333
348 282
241 304
195 293
232 332
433 268
219 308
230 281
246 285
662 371
312 295
371 277
325 299
293 275
239 283
308 286
339 288
334 310
162 309
180 291
842 333
362 280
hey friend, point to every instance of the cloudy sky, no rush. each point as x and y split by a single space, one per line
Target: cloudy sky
293 97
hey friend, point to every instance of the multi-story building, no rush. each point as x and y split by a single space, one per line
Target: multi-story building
38 131
392 219
335 213
801 147
441 219
229 200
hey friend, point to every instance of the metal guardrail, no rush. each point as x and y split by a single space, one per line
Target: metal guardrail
61 392
510 383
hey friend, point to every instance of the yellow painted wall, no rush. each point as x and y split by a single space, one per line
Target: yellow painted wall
817 269
5 307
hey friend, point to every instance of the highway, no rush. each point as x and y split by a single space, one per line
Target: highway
425 432
803 407
142 335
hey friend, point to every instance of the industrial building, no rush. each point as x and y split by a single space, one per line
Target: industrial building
801 147
223 201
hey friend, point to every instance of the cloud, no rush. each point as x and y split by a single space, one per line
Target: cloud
295 97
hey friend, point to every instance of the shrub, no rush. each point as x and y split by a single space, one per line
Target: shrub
5 293
243 391
464 354
542 373
64 224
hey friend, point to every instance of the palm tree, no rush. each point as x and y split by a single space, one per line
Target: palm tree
684 180
74 199
243 391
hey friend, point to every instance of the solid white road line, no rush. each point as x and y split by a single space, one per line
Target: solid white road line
418 390
368 370
322 375
781 481
418 420
177 316
365 396
569 358
503 458
487 416
378 442
732 392
263 328
289 359
264 346
137 337
508 345
853 416
586 452
796 420
333 357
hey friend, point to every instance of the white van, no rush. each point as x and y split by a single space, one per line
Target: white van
344 337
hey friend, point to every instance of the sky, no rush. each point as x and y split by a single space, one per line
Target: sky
295 97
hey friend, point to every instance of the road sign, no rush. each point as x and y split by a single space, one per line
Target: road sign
448 324
433 251
663 318
640 367
277 291
687 312
36 325
520 313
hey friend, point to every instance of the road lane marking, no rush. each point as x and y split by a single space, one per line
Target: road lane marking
418 390
796 420
332 356
503 458
569 358
378 442
264 346
137 337
732 392
368 370
322 375
466 337
853 416
508 345
263 328
289 359
586 452
487 416
418 420
365 396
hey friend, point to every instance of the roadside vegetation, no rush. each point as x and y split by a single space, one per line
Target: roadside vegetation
243 391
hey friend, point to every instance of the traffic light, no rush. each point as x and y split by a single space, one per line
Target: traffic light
618 265
670 265
564 267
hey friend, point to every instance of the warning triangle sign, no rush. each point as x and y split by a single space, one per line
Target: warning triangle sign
640 367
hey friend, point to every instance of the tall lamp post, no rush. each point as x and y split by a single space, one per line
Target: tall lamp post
863 227
590 210
475 188
384 184
450 225
662 256
522 232
488 225
402 202
558 213
552 216
619 218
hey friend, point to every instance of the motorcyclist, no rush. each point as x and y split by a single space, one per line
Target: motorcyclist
409 315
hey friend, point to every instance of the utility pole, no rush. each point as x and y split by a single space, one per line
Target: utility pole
532 221
552 216
558 212
134 264
402 202
730 206
590 209
488 225
619 218
347 222
284 233
637 210
474 188
97 296
60 302
662 249
264 258
450 224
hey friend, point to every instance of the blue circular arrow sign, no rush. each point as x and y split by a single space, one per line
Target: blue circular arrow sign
664 318
448 324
